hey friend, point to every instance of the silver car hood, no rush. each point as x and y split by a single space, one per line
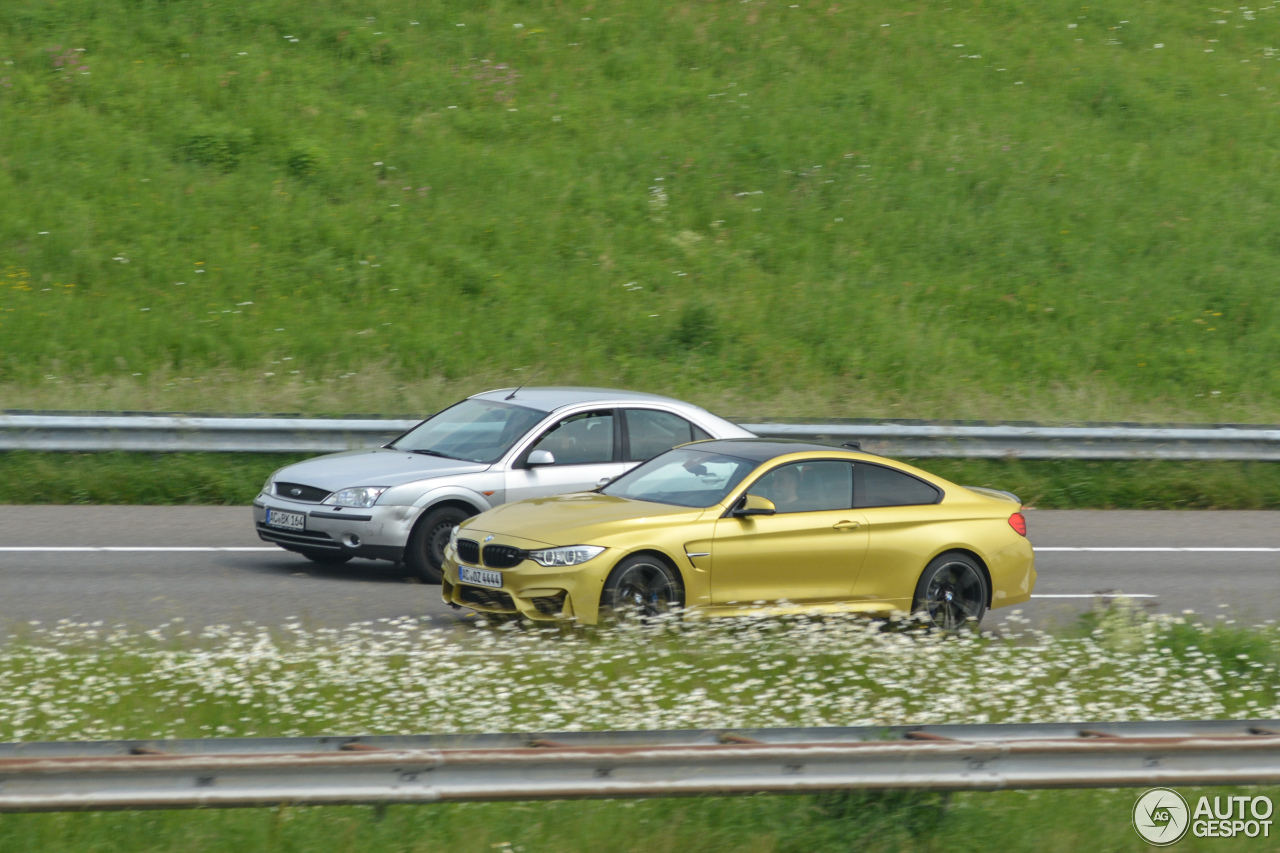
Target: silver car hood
377 467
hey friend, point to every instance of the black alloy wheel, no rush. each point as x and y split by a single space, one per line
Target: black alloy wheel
424 555
639 588
326 558
952 593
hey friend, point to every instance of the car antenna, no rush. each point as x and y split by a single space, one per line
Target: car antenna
512 395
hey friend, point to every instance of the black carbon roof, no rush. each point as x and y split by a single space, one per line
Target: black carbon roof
762 449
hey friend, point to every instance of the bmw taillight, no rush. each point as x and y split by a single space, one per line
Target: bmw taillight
1019 523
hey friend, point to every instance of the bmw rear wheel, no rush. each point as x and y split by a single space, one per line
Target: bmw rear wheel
952 593
424 555
641 587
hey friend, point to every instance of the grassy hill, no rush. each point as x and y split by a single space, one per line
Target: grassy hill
985 209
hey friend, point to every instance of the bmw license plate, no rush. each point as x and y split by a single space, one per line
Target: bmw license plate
479 577
287 520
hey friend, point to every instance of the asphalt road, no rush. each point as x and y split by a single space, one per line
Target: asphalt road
230 576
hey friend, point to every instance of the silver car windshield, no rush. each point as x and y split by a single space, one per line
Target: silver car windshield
692 478
473 430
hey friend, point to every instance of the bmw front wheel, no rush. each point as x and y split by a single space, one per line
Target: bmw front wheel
641 587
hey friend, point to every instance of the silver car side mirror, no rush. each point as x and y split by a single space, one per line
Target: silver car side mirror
541 457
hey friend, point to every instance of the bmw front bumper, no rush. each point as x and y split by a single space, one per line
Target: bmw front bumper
536 592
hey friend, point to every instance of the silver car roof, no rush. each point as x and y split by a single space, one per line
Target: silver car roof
550 398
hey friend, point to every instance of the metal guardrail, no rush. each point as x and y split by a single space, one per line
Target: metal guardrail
155 433
1042 442
322 435
457 768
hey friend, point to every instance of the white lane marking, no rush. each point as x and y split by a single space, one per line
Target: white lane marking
1166 550
1097 595
84 548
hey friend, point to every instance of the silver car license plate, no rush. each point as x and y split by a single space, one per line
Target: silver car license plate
479 577
287 520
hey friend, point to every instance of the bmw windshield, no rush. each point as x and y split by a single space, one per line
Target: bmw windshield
693 478
473 430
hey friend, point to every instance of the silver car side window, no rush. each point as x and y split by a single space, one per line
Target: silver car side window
582 439
651 431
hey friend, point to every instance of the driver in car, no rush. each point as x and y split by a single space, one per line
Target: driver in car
781 487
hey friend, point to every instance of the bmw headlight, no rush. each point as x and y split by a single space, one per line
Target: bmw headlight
453 539
362 496
569 555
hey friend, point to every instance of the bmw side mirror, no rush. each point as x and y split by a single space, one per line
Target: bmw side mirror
541 457
754 505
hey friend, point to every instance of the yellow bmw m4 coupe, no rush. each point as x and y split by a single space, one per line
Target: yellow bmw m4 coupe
732 526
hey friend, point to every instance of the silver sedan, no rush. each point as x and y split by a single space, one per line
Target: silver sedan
399 502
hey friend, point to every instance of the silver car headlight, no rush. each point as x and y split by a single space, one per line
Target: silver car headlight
361 496
569 555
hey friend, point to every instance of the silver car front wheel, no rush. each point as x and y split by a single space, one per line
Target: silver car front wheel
424 555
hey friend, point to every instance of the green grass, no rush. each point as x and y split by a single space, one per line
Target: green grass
1006 821
232 479
226 479
83 681
987 210
88 682
1145 484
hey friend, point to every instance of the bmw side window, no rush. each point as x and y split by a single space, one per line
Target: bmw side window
652 432
878 486
808 486
581 439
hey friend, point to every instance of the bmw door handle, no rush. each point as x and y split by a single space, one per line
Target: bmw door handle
847 525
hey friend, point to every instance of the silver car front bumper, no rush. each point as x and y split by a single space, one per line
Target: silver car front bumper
377 532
